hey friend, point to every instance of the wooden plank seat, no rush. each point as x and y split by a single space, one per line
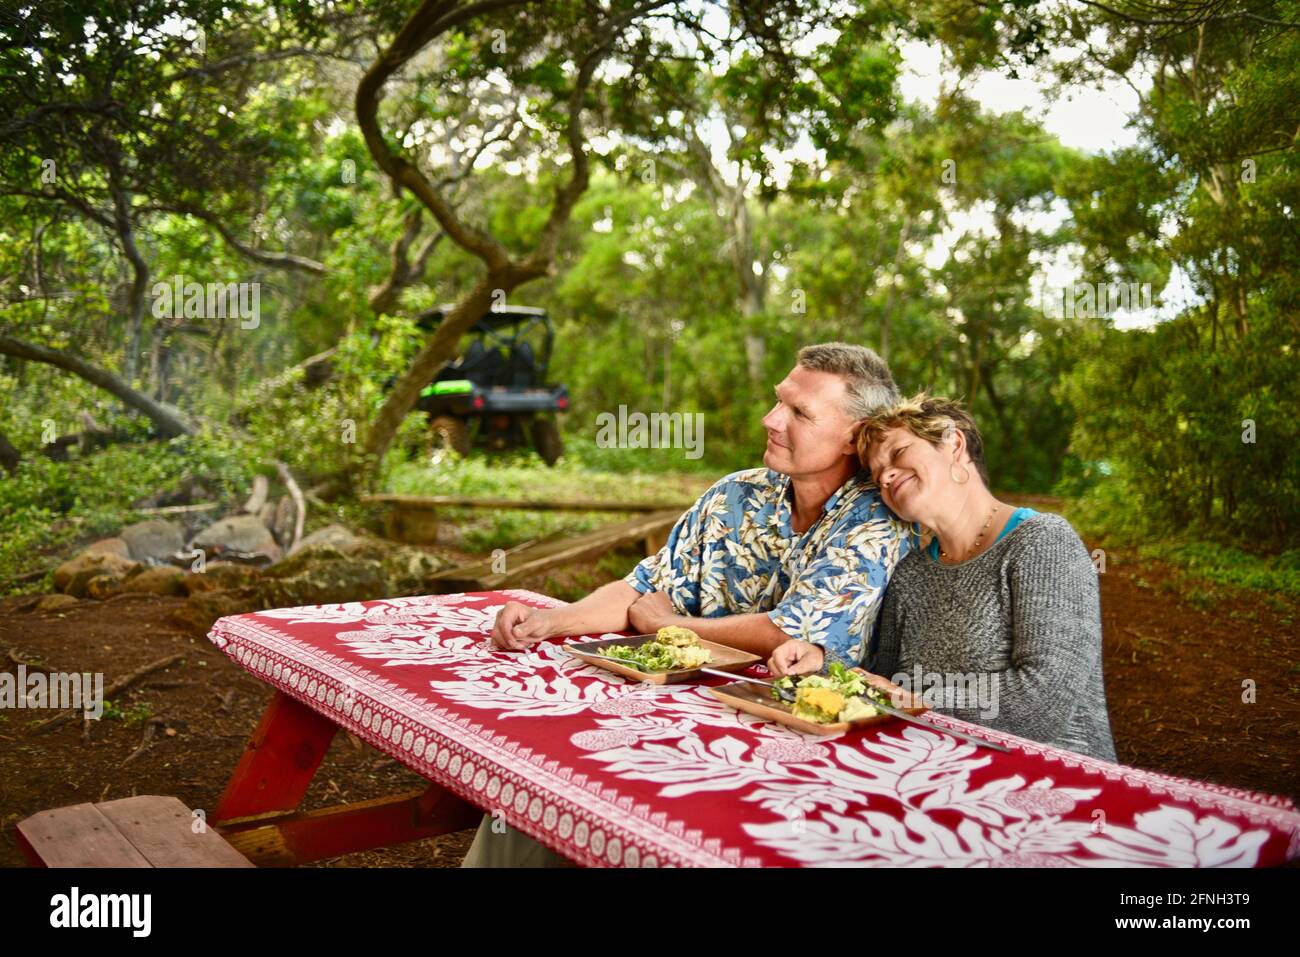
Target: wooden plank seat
414 518
144 831
429 503
652 530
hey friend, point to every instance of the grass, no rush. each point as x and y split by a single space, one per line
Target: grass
584 473
632 475
1224 565
1206 573
47 508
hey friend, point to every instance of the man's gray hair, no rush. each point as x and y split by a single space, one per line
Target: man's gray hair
867 378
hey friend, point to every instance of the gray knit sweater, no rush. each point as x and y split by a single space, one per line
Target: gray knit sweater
1010 639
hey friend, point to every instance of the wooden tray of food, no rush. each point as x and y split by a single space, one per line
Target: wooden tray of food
721 658
758 701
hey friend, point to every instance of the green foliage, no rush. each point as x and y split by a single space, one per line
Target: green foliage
316 431
1224 565
47 507
650 294
1200 441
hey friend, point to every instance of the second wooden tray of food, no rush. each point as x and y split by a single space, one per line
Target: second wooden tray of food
758 701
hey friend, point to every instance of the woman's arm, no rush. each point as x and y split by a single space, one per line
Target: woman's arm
884 660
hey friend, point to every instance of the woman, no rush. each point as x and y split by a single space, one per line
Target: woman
998 616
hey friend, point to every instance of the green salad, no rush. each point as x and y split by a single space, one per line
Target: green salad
673 649
839 695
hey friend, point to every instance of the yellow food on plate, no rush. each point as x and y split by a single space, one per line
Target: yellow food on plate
676 636
818 704
691 656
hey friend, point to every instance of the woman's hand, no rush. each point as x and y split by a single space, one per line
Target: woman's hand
796 658
652 611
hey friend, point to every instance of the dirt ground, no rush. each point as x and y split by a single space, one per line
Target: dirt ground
1174 678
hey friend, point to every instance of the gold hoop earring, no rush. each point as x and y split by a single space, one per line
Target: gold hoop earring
957 480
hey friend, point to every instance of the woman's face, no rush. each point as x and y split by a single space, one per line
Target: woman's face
911 473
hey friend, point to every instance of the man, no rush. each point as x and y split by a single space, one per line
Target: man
802 548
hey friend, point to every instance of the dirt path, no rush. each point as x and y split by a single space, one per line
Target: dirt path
1174 677
1175 674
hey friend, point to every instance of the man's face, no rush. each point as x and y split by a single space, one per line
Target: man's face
808 430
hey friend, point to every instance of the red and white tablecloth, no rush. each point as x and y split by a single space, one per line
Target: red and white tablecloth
609 772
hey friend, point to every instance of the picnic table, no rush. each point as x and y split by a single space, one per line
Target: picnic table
616 773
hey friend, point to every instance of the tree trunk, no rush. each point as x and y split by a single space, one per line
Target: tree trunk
9 456
167 419
440 347
139 275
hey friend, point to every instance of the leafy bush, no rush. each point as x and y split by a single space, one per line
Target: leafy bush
1202 438
48 507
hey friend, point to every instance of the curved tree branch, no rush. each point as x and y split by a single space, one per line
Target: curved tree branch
263 256
167 419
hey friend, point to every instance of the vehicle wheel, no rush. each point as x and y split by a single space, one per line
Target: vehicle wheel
450 432
546 439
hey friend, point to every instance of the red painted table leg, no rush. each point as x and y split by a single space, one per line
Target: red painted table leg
279 761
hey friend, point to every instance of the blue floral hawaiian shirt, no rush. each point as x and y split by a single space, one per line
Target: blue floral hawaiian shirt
735 552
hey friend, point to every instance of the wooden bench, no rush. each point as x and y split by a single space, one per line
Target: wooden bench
650 530
144 831
414 519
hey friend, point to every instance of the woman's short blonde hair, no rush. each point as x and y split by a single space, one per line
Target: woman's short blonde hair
932 418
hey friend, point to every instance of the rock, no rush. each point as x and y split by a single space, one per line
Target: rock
204 608
156 580
192 583
220 575
237 533
102 586
53 602
336 536
154 540
321 575
413 527
108 546
407 569
71 577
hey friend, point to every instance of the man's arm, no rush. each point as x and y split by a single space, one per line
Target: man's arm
606 609
518 625
834 603
754 633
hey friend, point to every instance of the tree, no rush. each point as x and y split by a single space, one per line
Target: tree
550 57
129 112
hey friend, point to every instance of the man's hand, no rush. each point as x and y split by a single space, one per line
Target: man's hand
518 626
796 658
652 611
